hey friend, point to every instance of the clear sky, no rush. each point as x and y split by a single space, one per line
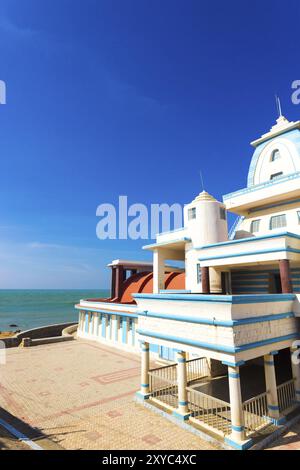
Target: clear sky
127 97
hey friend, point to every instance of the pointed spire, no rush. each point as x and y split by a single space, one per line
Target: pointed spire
278 105
282 125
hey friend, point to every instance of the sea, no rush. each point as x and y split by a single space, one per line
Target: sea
32 308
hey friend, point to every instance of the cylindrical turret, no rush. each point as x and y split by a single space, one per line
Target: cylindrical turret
206 220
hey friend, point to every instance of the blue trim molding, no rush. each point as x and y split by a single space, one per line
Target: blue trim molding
142 396
237 428
269 363
249 239
273 407
168 242
214 322
229 299
217 347
257 187
180 416
234 375
251 253
107 312
239 445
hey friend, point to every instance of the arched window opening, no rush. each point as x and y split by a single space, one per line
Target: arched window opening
275 155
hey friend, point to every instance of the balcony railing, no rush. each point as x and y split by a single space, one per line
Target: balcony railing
255 413
163 385
163 380
286 395
209 411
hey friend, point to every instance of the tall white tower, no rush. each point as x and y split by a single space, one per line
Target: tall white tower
206 220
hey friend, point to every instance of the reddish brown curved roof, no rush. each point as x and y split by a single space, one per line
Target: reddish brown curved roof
142 283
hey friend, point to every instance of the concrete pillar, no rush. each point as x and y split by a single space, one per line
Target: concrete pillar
90 322
182 411
295 356
108 327
285 276
158 271
271 388
81 321
125 330
119 281
205 280
113 283
114 328
144 392
120 329
237 437
215 281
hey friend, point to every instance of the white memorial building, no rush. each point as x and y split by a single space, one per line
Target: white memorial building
226 326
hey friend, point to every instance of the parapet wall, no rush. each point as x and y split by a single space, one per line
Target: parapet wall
37 333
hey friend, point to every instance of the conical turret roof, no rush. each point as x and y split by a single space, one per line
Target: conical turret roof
204 196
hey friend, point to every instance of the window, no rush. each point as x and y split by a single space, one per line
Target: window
192 213
278 221
198 273
275 155
255 226
276 175
222 213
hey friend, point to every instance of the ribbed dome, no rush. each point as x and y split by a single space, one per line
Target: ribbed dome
204 196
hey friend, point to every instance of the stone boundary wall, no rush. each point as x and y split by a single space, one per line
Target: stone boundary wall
48 331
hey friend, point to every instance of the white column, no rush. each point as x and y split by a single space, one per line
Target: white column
114 328
236 405
295 357
182 410
215 281
120 326
95 324
81 322
129 337
108 327
125 330
90 323
158 271
145 369
271 387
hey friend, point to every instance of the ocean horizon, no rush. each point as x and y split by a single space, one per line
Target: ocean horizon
31 308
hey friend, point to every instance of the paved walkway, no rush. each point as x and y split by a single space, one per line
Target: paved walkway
289 441
79 395
8 442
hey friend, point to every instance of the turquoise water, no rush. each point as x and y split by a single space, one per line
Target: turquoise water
33 308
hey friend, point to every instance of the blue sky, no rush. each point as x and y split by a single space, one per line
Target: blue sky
113 97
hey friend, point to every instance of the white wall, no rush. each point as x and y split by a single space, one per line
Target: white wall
265 216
